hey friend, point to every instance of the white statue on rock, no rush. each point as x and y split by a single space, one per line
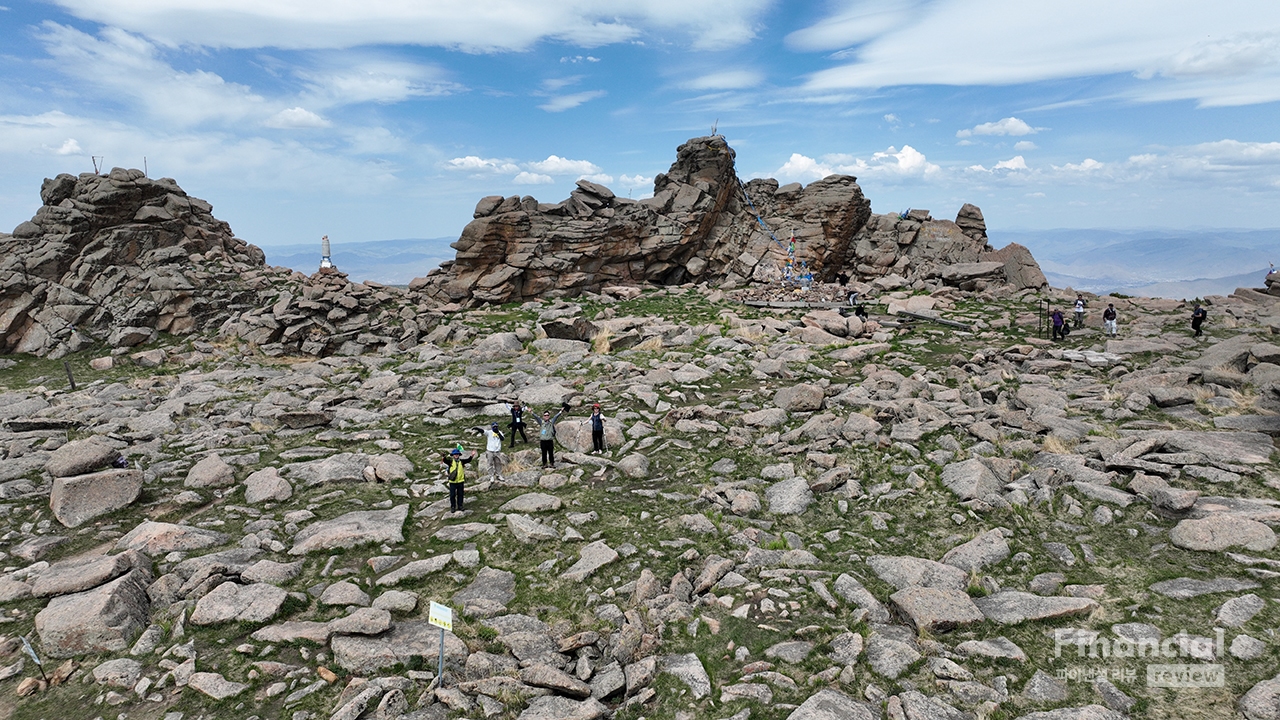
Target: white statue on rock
325 262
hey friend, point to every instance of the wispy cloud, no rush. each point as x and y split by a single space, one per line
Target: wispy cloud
725 80
994 42
347 79
474 26
568 102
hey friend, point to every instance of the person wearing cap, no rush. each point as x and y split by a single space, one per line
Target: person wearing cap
547 434
457 479
493 449
597 430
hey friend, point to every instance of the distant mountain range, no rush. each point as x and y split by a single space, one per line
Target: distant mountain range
390 262
1155 263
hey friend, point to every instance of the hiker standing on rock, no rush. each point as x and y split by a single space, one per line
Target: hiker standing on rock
1198 317
597 430
517 422
457 476
1059 325
493 449
547 435
1109 319
1079 311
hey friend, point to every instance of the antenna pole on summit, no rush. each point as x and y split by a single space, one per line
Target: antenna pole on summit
95 158
144 166
715 125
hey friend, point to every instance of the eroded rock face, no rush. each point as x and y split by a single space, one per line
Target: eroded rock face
701 225
117 258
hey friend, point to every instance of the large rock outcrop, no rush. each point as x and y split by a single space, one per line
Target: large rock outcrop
119 258
701 226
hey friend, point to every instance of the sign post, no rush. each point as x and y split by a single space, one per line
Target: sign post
442 617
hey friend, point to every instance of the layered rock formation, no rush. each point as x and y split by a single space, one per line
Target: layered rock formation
117 258
701 226
121 257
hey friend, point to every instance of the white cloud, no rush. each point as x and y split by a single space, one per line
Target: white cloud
195 158
1014 163
725 80
553 84
579 59
1007 126
907 162
70 147
294 118
856 22
1161 43
528 178
891 118
347 79
474 26
799 167
555 165
475 164
119 66
1025 145
1035 194
600 178
568 102
635 180
1086 165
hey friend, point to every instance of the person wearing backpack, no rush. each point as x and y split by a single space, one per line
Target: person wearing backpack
1109 319
1198 317
457 479
1059 325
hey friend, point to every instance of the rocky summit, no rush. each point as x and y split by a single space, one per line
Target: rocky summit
798 513
702 224
120 258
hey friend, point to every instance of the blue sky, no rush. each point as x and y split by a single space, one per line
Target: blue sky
391 118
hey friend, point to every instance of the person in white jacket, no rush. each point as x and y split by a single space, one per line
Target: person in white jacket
493 449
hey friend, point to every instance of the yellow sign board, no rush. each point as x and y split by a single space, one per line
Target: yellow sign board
441 616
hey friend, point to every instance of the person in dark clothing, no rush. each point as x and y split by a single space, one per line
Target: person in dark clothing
1198 317
456 463
1109 319
842 278
547 435
597 430
1059 325
861 312
517 422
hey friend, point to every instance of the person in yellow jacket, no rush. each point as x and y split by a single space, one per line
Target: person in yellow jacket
457 476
